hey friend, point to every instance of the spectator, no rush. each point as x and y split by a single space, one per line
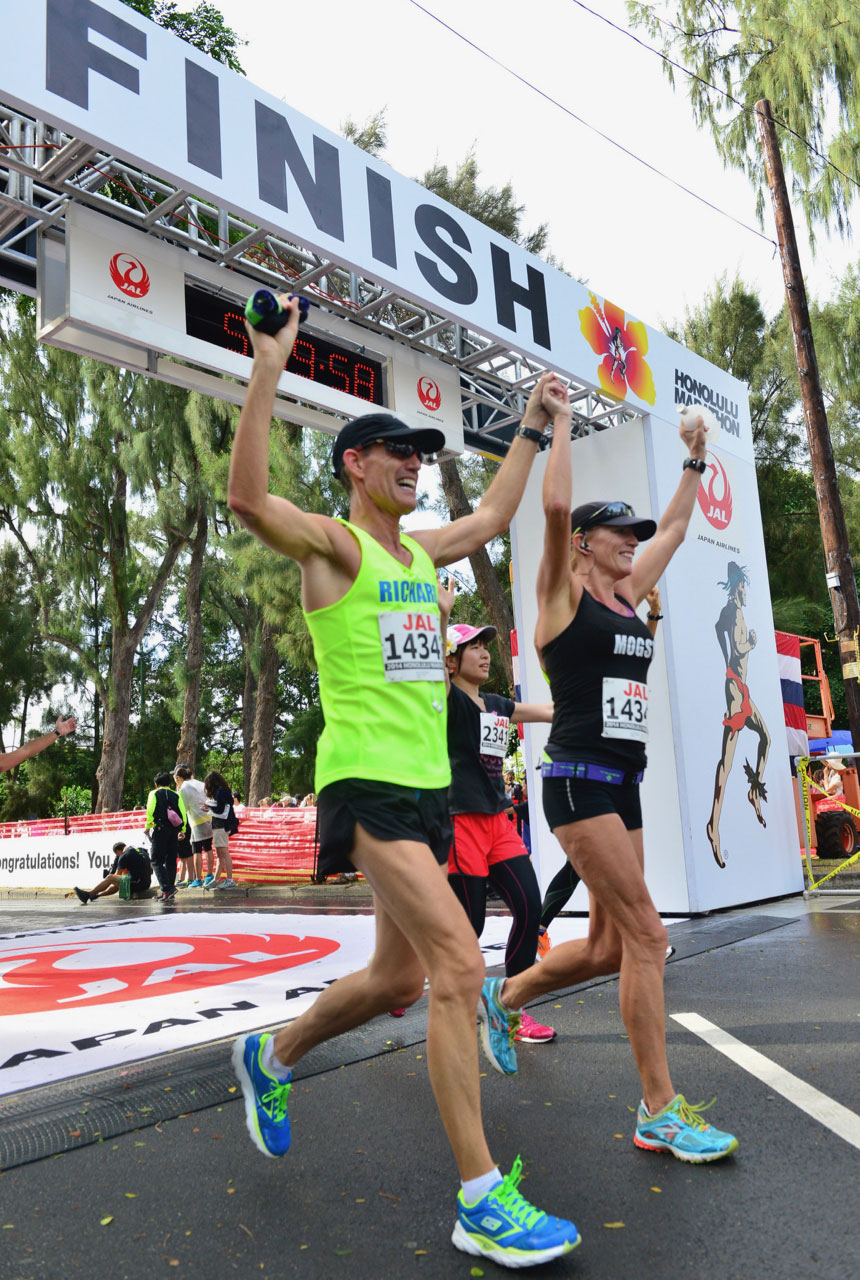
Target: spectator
238 807
127 861
167 819
200 820
224 824
9 759
309 802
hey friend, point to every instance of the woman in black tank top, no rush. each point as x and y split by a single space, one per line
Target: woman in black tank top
596 652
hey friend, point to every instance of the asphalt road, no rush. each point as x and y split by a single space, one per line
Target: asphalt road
367 1190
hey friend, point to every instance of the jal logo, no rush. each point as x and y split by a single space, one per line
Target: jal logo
715 494
129 275
430 394
52 976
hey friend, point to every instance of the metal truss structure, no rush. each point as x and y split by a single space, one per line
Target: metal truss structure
43 171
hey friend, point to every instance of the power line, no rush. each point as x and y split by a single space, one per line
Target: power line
679 66
579 119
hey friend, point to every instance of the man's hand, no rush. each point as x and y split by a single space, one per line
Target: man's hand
277 348
65 726
536 415
555 397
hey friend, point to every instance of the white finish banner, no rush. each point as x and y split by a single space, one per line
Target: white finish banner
59 861
101 71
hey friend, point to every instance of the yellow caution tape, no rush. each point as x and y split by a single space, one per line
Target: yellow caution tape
808 784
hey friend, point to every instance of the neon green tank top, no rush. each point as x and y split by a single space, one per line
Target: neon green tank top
382 681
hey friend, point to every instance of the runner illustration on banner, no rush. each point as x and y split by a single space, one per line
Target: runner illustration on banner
736 643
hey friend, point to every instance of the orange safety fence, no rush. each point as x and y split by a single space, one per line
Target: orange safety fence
272 846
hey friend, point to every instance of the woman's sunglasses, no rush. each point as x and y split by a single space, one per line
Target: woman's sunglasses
609 511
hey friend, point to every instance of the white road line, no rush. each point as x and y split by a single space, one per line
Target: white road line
844 1123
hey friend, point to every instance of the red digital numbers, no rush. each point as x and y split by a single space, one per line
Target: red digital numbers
338 373
303 358
364 382
234 327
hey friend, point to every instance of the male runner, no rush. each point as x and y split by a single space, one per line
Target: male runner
370 598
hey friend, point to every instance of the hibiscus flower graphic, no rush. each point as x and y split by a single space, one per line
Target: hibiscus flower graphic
623 344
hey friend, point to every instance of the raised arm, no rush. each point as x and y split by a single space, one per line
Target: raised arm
649 566
497 507
278 523
554 582
9 759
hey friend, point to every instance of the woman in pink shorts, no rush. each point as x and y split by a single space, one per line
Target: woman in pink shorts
486 845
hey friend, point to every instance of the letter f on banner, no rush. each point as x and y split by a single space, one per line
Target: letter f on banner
71 55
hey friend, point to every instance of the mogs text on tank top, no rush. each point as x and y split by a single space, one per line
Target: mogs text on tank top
598 673
382 680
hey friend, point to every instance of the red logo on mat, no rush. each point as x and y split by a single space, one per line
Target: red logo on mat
129 275
50 976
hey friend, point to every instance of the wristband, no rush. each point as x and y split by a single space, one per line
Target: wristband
536 437
655 617
695 464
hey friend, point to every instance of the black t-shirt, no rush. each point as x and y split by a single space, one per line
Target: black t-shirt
598 673
477 746
134 862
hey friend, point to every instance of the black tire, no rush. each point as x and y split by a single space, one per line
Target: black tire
836 835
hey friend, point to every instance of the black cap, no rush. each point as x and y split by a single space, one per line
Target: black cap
382 426
615 513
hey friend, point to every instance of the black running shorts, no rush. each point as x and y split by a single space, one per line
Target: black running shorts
567 800
385 810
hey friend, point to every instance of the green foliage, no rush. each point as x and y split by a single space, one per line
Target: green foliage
203 26
496 207
802 55
72 801
372 136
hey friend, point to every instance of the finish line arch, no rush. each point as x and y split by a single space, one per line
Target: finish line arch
410 292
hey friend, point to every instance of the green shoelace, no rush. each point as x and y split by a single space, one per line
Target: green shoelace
513 1203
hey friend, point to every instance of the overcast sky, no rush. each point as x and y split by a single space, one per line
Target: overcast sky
632 235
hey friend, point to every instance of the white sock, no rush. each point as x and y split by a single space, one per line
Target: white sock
476 1188
270 1063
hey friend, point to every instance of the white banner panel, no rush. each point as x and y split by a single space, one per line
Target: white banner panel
102 72
58 861
734 775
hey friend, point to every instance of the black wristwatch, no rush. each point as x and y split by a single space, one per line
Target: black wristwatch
655 617
695 464
536 437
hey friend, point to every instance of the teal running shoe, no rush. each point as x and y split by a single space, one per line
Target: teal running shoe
265 1097
498 1027
679 1128
505 1228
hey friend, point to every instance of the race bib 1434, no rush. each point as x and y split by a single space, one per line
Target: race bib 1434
625 709
411 646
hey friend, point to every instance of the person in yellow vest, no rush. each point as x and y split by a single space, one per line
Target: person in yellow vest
369 594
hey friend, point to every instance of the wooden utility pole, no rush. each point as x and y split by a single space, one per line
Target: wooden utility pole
837 559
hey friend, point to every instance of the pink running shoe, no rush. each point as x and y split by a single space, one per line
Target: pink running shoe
531 1030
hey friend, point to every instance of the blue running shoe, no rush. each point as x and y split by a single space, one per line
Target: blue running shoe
679 1128
265 1097
498 1026
504 1227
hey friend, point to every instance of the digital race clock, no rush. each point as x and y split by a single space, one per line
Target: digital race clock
222 323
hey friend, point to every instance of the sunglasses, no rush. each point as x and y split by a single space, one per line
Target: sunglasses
400 449
609 511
